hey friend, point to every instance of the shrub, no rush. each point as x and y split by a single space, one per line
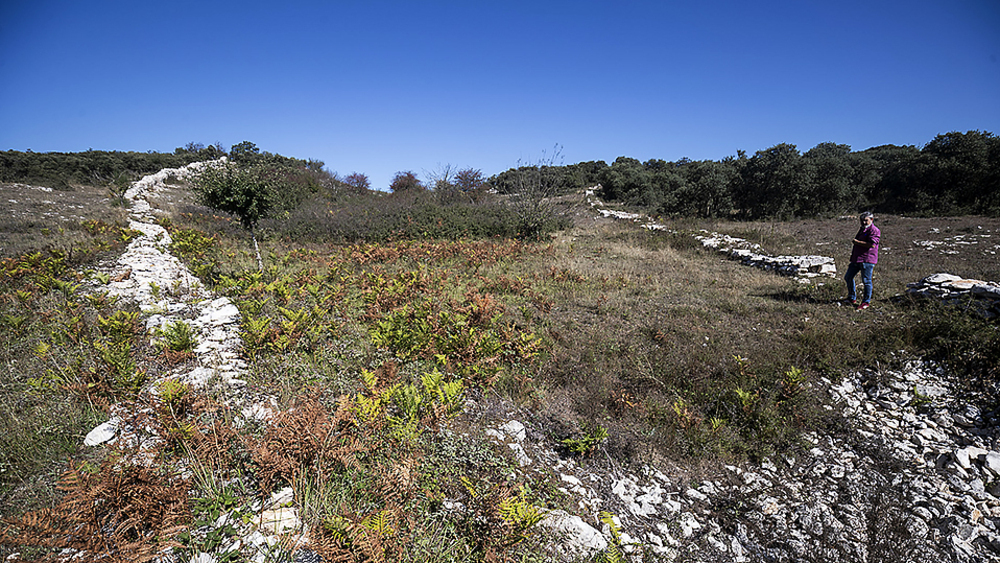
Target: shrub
405 181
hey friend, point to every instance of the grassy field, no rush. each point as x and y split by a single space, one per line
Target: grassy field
673 351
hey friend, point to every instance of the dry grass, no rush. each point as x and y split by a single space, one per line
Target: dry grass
34 217
648 335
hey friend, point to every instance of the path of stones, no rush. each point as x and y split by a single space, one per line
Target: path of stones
915 478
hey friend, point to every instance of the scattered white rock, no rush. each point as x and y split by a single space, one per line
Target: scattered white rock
580 538
105 433
515 430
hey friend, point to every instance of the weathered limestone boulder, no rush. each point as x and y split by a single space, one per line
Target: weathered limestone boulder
578 537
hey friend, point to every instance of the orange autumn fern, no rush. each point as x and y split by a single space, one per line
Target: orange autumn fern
305 436
123 511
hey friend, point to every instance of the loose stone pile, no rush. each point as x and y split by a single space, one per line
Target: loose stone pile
752 254
981 296
748 253
914 477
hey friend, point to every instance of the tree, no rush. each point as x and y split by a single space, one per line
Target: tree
531 189
771 183
582 174
358 181
959 169
626 180
880 174
706 190
246 192
442 178
404 181
469 179
244 153
192 147
829 180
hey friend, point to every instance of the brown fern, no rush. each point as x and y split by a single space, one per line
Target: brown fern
305 437
122 511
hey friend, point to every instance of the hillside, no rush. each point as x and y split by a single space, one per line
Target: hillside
606 389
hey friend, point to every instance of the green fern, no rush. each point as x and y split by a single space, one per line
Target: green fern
448 394
379 523
591 439
408 400
177 336
518 513
615 552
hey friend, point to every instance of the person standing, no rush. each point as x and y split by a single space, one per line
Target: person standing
864 256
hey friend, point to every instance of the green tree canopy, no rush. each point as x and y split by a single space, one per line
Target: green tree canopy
828 181
244 153
248 193
772 183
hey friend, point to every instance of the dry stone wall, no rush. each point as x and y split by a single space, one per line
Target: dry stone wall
980 296
167 292
803 268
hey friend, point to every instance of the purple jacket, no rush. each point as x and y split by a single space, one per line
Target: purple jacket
863 253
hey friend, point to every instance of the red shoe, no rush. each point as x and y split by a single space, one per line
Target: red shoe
863 306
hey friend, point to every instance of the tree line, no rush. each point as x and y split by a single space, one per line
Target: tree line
954 174
62 171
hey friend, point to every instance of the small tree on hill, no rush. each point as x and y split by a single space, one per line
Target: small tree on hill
244 153
469 179
441 179
358 181
245 192
404 181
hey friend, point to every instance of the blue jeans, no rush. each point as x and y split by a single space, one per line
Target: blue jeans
866 270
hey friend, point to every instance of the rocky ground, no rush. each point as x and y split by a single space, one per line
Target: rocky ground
913 474
913 477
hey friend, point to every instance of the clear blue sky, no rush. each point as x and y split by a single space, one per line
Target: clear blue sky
382 86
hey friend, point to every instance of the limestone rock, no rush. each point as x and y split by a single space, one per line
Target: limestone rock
515 430
580 538
103 433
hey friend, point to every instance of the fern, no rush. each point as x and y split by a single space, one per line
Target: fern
408 400
380 523
177 336
615 552
448 395
520 516
589 442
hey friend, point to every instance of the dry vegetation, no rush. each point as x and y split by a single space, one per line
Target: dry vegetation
672 350
37 217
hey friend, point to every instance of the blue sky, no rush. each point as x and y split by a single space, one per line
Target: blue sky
382 86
